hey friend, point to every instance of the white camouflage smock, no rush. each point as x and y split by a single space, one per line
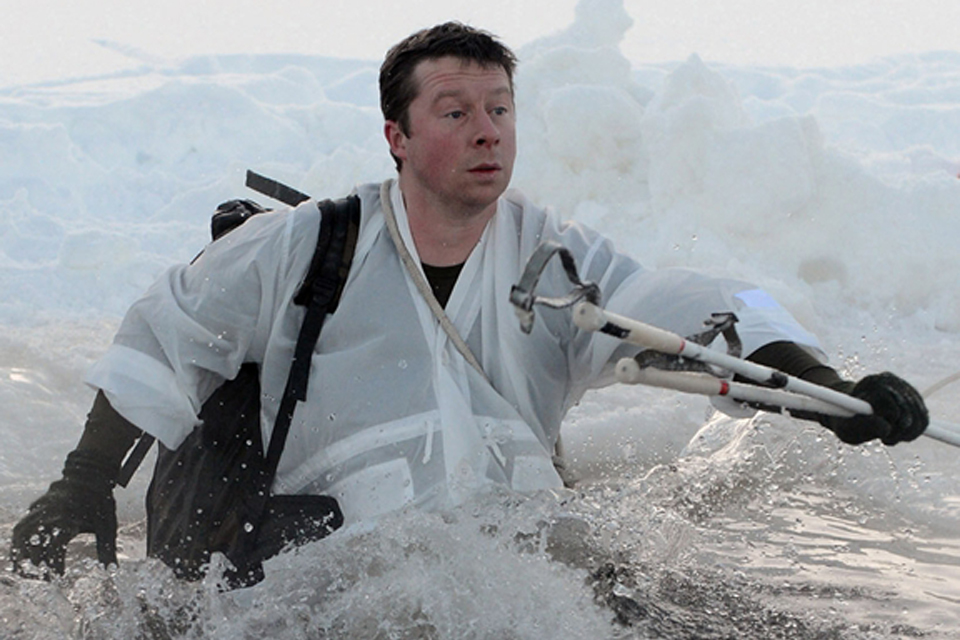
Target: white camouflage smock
394 414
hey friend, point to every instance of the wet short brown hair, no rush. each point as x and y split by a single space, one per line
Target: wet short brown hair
453 39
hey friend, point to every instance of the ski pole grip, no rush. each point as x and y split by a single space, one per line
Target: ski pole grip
590 317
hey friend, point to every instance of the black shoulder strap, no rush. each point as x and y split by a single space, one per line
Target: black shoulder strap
320 293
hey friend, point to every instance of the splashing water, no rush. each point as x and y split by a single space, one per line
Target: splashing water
734 538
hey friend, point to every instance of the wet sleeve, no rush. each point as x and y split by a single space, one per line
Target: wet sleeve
798 362
107 433
197 325
680 301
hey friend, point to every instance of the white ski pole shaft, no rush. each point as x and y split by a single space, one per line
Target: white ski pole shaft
944 432
590 317
629 372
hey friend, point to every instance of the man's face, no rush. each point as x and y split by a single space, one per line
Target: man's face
459 148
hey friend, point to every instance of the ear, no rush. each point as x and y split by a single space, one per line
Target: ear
396 139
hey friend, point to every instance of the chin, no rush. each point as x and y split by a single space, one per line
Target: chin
480 199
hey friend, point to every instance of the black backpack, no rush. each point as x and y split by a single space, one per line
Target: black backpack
212 493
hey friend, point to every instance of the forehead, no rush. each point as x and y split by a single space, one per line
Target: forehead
438 77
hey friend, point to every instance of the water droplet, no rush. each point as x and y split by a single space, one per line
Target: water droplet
402 364
247 527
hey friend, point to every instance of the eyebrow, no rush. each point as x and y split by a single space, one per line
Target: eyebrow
456 93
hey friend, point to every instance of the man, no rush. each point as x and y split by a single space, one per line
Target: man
396 414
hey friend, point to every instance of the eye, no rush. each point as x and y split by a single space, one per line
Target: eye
501 111
456 114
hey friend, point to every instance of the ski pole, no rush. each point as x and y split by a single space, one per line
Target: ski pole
590 317
782 390
628 372
787 392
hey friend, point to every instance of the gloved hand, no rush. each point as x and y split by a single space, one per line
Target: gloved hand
899 412
80 502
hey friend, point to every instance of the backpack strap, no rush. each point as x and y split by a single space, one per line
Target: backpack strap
320 293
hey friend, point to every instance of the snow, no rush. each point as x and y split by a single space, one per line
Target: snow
834 188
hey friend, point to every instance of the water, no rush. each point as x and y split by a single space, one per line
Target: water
756 530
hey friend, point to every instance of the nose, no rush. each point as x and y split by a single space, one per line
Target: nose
488 133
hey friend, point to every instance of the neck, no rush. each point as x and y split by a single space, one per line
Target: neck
445 236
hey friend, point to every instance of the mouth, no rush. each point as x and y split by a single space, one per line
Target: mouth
486 169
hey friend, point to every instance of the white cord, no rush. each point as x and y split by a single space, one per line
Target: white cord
421 282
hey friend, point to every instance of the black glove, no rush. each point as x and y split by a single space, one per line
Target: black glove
899 412
80 502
